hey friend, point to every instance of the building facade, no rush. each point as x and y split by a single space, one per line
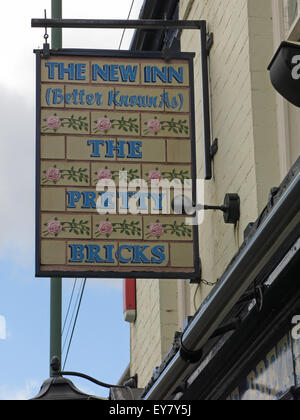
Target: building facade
258 144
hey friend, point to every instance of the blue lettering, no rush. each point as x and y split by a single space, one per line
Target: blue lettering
124 196
89 200
81 96
123 260
51 69
109 259
93 254
147 74
77 255
113 77
112 98
161 74
128 73
138 255
178 75
111 148
74 71
103 72
143 200
167 74
181 101
164 100
90 99
73 198
48 93
158 252
158 198
68 97
96 147
107 201
80 71
75 96
99 98
70 71
112 73
134 151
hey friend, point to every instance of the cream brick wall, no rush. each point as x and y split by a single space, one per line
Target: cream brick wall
243 113
243 118
153 333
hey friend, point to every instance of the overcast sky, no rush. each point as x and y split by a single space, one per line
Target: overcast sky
101 341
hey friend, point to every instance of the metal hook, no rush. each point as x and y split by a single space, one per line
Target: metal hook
46 47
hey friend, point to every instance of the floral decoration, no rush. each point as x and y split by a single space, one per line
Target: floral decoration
104 125
107 228
157 229
155 126
55 227
54 123
54 174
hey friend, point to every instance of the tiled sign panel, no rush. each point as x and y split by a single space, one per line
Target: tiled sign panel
126 120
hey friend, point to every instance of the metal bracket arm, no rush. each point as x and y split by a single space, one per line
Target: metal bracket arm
146 24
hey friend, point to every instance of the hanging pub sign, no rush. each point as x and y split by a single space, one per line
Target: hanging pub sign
285 71
115 144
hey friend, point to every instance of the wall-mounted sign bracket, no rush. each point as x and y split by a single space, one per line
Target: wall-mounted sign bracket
230 207
146 24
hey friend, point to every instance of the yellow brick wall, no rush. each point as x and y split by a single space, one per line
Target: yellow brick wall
152 334
243 117
243 114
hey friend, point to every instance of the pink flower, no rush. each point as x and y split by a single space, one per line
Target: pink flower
53 174
155 176
156 229
106 228
104 124
53 122
154 126
104 174
54 227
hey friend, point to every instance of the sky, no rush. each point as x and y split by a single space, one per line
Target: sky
100 346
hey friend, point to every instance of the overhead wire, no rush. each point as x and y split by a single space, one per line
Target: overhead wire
69 306
75 322
129 14
72 317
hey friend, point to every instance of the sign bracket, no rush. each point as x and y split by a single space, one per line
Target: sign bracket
149 24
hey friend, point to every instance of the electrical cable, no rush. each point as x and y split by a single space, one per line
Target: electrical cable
120 45
206 283
75 322
89 378
69 307
195 295
71 320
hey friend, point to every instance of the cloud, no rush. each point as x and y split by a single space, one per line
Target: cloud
2 328
30 389
17 176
